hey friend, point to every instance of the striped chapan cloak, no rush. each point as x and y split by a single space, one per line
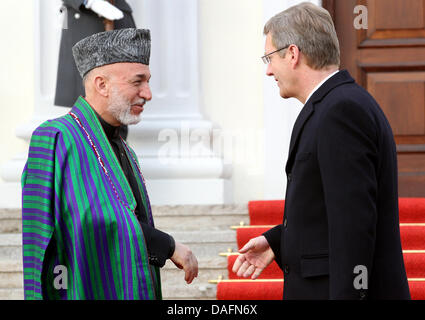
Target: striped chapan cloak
78 213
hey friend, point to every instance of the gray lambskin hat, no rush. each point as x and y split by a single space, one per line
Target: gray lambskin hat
121 45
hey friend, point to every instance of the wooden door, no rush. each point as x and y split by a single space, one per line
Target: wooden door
388 60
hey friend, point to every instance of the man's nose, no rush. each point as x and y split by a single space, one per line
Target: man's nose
269 71
146 93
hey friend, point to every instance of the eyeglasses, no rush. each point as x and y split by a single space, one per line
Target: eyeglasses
266 58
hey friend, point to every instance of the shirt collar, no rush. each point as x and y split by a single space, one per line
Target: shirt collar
320 84
111 131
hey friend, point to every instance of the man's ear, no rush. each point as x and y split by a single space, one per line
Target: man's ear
101 85
295 55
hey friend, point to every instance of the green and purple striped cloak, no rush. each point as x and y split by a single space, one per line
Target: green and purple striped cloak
78 212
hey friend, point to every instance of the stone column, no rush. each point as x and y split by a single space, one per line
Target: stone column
174 143
46 33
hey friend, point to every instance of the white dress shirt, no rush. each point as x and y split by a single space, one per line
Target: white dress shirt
320 84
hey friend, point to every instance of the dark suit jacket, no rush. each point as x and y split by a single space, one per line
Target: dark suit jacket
341 208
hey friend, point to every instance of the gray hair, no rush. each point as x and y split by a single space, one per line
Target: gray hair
311 29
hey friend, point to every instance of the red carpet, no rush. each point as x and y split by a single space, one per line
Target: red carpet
265 214
413 261
412 210
257 290
271 272
271 212
260 290
412 236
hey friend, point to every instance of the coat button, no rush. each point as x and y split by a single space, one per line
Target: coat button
285 222
77 16
285 269
289 177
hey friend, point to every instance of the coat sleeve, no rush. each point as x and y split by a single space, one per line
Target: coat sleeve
273 237
347 155
38 206
160 245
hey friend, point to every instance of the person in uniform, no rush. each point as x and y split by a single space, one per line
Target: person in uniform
84 18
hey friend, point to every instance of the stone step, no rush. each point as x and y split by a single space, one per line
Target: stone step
211 263
179 291
206 246
10 246
11 276
185 217
11 294
172 279
184 292
174 287
205 229
10 221
11 266
202 243
216 263
191 217
206 243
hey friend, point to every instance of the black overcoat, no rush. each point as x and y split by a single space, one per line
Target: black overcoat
341 210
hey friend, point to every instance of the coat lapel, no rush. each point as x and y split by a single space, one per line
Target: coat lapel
93 128
304 115
308 109
140 182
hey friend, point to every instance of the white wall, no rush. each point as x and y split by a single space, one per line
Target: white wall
279 118
231 70
17 74
254 121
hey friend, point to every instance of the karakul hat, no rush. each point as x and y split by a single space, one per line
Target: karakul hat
121 45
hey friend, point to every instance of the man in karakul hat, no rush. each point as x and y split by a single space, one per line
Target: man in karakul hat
88 231
82 18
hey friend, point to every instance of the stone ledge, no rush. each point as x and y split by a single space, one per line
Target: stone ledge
215 263
214 236
11 294
166 210
212 263
11 266
196 210
174 285
10 239
9 213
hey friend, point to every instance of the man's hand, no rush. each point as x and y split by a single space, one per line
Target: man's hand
105 9
184 259
256 256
